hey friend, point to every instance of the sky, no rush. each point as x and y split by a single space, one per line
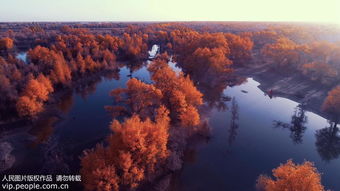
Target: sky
170 10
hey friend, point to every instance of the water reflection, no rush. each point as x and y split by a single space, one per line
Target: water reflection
297 125
250 123
88 87
213 93
42 130
233 122
66 102
198 136
190 155
214 96
328 142
112 75
133 66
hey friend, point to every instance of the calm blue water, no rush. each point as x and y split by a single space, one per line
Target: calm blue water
234 162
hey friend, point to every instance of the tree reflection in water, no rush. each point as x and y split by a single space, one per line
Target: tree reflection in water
234 121
297 125
213 92
134 66
42 130
328 142
88 85
85 89
66 102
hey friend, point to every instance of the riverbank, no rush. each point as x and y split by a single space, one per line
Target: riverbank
292 86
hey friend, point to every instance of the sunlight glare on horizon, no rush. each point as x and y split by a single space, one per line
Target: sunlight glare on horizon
174 10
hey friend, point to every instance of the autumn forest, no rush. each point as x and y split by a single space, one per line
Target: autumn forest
172 105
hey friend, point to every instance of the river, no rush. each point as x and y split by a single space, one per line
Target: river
251 136
260 139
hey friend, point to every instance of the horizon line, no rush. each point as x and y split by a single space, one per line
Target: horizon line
170 21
